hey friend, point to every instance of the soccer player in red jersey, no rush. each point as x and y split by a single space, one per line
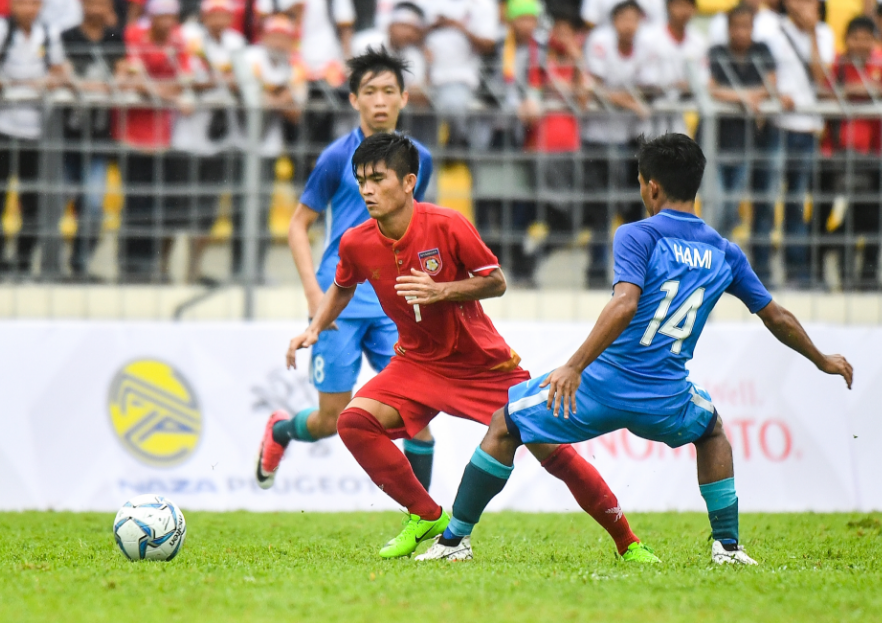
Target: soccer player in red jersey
429 268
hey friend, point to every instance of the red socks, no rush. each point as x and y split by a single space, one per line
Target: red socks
592 493
384 463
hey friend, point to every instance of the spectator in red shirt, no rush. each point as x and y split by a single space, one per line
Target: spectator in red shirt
157 68
850 203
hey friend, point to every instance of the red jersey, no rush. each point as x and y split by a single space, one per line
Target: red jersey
442 243
146 127
861 135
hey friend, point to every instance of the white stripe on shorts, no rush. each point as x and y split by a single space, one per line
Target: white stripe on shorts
700 400
528 401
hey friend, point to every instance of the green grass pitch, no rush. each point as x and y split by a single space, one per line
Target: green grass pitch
65 567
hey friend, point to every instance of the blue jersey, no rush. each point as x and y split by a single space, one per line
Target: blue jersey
683 267
331 188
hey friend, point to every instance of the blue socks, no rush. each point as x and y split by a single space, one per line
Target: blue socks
722 509
483 479
421 455
295 428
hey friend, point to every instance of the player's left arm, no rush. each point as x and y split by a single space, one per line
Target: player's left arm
563 382
420 289
788 330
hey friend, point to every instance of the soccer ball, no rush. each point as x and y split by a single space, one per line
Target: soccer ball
150 527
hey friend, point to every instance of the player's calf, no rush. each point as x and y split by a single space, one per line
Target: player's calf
716 478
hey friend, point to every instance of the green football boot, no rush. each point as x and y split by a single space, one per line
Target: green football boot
638 552
415 531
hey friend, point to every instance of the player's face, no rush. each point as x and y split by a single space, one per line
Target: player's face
859 44
379 100
383 193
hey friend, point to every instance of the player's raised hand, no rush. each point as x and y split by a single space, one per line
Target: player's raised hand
419 288
562 384
837 364
304 340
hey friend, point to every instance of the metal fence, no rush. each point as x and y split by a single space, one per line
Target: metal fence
102 211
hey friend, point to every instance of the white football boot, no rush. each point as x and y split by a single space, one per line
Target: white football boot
722 556
463 551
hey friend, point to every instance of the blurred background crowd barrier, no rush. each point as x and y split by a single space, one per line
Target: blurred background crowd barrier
155 178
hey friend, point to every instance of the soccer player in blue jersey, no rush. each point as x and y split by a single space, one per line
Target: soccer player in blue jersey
670 270
377 92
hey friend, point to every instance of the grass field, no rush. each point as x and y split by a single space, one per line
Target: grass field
551 568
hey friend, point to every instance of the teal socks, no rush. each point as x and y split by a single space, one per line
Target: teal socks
483 479
295 428
421 455
722 509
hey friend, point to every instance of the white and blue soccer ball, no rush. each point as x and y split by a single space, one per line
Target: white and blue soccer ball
150 527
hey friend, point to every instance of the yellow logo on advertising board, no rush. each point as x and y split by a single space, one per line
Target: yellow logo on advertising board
155 413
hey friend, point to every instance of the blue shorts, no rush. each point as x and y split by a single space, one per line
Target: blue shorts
526 410
335 361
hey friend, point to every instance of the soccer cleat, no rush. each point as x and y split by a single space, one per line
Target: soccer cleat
638 552
415 531
271 452
463 551
723 556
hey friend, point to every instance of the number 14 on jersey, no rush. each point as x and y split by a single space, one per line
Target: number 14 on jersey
684 315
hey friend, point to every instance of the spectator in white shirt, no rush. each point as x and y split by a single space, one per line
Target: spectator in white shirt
617 57
680 51
31 61
803 53
61 14
283 76
599 12
460 33
766 24
325 43
212 135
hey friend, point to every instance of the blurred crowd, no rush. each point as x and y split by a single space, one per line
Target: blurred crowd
579 82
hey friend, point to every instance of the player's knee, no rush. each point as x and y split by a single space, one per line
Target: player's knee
424 435
503 429
354 421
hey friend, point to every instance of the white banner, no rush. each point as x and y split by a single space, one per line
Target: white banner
95 413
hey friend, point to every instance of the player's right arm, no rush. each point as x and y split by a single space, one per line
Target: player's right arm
788 330
332 305
301 250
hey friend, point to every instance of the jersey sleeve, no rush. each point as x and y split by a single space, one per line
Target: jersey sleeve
323 182
632 248
425 175
471 250
745 284
347 275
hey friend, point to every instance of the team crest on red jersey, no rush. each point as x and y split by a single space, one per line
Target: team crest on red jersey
431 261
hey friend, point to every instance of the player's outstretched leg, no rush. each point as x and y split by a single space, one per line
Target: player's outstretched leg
311 424
716 480
366 438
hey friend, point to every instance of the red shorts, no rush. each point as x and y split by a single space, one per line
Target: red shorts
419 392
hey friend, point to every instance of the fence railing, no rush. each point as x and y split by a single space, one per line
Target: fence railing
82 207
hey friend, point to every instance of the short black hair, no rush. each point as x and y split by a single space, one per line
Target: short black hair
375 61
393 149
862 22
410 6
739 9
692 2
673 161
624 6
